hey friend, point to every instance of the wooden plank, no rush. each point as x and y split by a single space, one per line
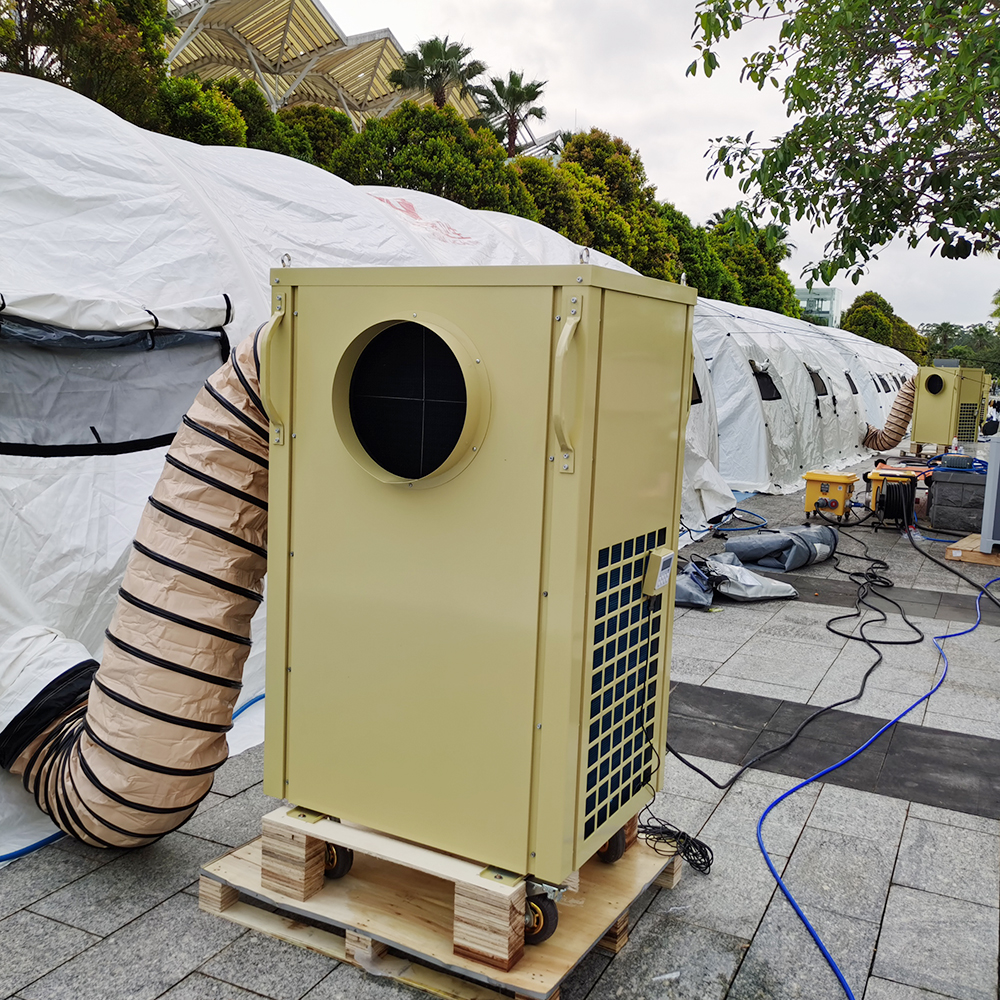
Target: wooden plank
411 911
386 848
617 936
291 861
967 550
214 897
489 928
671 875
631 832
286 929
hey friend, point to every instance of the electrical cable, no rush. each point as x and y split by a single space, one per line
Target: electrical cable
866 580
760 823
664 838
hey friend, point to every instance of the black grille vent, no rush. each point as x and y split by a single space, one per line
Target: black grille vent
624 678
408 400
968 422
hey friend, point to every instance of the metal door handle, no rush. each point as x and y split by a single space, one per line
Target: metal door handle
565 458
264 353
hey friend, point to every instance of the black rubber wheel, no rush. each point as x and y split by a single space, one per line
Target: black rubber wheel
338 861
613 849
544 917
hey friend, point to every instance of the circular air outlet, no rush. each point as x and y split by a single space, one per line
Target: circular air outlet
410 402
934 384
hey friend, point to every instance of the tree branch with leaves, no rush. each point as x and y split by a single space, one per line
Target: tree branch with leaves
896 110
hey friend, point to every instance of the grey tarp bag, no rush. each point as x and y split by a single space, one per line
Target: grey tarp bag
785 549
694 589
739 584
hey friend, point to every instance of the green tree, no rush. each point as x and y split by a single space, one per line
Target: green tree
940 337
698 260
110 52
186 110
623 215
434 150
557 197
870 323
754 258
612 159
437 65
872 317
607 228
265 130
116 57
325 128
34 36
506 104
896 109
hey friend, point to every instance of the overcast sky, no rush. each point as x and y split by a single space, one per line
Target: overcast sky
620 66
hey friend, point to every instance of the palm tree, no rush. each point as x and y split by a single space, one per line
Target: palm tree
505 105
435 66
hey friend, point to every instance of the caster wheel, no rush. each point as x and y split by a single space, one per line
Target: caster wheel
613 849
544 918
338 861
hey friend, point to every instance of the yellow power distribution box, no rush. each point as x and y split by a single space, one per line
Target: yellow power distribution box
830 492
472 472
949 403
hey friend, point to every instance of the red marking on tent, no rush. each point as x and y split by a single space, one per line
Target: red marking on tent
434 228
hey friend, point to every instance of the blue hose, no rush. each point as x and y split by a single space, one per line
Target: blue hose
833 767
749 527
243 708
32 847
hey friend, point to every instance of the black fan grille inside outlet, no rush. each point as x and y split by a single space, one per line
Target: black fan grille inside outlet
624 669
408 400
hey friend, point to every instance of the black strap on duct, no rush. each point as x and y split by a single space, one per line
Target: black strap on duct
55 699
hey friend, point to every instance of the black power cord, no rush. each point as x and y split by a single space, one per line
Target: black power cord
663 837
867 579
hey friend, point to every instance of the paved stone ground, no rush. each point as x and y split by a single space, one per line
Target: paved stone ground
906 896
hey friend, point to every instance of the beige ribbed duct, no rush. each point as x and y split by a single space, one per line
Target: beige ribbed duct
899 419
131 762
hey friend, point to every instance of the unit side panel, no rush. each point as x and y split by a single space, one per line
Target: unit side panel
279 476
645 367
413 612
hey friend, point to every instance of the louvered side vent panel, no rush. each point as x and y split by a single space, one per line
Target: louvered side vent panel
625 668
968 425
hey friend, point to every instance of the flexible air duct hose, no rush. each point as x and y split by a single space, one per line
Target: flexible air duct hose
899 419
131 761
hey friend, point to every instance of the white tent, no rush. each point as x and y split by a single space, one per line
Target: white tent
790 396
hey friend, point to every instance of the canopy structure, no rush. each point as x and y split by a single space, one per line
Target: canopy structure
295 52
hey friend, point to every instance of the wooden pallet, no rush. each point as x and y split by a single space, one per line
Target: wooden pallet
967 550
400 920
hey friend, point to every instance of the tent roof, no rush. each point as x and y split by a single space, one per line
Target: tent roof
295 51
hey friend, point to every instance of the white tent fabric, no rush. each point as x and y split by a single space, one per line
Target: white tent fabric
705 495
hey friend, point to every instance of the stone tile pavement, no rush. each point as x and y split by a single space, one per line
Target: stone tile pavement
906 896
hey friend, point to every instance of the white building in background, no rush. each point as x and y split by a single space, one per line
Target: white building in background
823 303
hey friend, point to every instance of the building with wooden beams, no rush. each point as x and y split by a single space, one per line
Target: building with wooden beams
296 53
